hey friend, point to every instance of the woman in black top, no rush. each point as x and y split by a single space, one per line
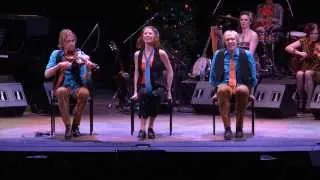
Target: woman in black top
151 65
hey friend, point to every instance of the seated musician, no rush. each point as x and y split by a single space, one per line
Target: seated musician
269 16
233 74
302 50
70 68
248 39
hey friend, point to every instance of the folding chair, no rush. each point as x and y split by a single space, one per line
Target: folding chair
251 104
132 112
72 103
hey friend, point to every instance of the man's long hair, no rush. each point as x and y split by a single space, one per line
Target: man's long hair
63 35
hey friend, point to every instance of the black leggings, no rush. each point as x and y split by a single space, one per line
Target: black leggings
149 104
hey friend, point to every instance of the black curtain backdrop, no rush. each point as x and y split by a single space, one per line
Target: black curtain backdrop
118 19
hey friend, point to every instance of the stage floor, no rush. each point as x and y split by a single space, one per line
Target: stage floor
191 133
286 147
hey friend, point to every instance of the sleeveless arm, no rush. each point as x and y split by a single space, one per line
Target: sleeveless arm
253 43
165 59
136 73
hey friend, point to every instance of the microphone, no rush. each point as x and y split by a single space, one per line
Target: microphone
155 15
96 26
96 67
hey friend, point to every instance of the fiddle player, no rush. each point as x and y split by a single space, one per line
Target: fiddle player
70 68
302 50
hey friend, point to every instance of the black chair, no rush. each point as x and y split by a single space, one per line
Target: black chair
132 112
72 103
251 101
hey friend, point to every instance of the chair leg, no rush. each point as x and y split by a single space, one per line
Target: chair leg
91 116
132 117
213 120
52 114
170 111
252 117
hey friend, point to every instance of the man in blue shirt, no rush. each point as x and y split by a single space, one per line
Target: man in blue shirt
229 85
71 70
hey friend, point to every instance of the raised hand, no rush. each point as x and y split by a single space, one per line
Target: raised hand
64 65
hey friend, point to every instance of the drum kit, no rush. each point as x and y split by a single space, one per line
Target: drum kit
268 43
267 47
265 52
295 35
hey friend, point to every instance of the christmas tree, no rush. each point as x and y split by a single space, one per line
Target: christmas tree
176 23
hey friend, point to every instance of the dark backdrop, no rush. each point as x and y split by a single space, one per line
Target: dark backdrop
119 19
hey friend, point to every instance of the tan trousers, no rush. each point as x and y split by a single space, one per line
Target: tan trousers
224 95
81 95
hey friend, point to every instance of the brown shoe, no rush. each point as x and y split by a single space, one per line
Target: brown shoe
68 132
142 135
75 131
239 133
227 134
151 134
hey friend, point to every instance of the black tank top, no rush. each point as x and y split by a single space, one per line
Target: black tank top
157 70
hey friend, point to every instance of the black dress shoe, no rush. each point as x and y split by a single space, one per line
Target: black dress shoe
76 131
142 135
239 133
68 133
151 134
227 134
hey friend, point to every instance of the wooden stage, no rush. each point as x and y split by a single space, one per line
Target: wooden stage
192 132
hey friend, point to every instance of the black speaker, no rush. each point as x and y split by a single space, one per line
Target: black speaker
12 99
315 102
275 100
201 99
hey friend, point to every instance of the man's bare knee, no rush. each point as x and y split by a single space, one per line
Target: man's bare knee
83 92
61 91
242 90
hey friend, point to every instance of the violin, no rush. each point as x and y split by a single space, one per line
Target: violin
78 59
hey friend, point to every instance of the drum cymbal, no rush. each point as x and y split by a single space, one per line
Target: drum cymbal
228 16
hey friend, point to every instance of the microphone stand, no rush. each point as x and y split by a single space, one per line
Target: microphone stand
142 26
215 10
177 63
92 31
213 14
287 33
289 20
291 12
97 43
